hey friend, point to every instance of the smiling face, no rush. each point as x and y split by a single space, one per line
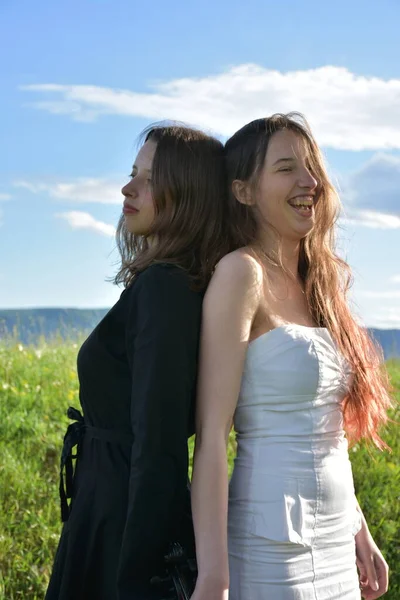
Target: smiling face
286 188
138 205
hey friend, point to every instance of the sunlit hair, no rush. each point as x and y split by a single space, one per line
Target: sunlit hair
327 277
189 193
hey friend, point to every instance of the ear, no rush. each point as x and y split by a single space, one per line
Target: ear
242 192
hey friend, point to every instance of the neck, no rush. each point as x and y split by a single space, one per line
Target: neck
284 251
151 240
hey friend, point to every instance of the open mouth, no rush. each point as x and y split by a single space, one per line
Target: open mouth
303 205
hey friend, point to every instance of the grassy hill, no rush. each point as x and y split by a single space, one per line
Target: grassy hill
37 384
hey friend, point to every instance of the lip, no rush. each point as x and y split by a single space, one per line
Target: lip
128 209
302 213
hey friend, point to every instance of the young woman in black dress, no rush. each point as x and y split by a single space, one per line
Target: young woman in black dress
137 374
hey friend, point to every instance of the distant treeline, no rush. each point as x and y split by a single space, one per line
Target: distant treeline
29 325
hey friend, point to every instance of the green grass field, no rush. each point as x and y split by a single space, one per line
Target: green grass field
37 384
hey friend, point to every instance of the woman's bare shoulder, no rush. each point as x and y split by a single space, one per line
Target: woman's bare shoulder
240 265
239 274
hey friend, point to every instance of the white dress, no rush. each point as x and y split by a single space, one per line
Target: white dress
292 509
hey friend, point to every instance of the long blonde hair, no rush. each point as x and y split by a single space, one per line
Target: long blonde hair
327 277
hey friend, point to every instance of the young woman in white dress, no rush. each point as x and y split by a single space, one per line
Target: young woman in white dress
284 359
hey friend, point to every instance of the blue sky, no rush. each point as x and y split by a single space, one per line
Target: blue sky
80 79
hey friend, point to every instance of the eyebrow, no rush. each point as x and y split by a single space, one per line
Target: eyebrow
135 167
283 160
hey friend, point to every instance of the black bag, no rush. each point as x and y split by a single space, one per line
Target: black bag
182 571
180 576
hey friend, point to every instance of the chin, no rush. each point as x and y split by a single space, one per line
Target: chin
132 227
135 231
304 228
299 233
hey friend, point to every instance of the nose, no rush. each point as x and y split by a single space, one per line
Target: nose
129 189
307 180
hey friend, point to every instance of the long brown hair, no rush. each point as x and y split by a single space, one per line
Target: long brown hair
326 276
189 193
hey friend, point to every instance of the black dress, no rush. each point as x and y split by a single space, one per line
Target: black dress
137 374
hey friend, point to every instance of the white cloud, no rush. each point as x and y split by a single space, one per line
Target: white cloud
371 194
371 219
83 220
383 295
388 317
347 111
395 279
5 197
102 191
375 186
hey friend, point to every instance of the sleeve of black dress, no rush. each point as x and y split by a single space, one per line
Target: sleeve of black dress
162 342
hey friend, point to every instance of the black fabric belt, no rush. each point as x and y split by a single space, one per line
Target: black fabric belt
73 437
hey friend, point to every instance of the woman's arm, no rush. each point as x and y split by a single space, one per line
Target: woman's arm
162 340
374 571
228 311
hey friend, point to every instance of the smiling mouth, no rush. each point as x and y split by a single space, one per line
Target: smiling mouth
302 204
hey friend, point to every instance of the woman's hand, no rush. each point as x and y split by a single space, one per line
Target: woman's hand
207 591
373 569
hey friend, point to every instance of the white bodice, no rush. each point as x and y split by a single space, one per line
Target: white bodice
292 473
